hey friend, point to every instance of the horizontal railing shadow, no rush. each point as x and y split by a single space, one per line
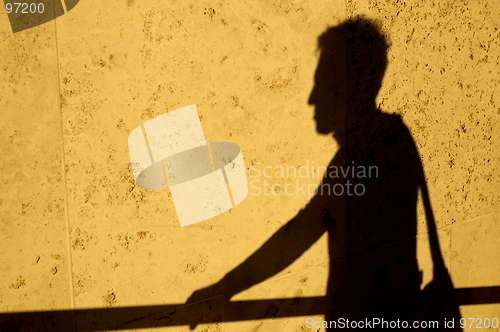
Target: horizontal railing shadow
197 313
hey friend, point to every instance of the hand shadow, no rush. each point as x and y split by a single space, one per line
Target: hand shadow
366 201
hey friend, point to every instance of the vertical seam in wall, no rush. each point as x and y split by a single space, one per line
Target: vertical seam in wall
66 204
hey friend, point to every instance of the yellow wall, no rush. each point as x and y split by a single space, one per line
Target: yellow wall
76 232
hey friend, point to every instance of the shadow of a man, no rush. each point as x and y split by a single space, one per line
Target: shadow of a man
366 201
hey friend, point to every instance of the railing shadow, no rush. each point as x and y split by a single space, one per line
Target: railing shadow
207 312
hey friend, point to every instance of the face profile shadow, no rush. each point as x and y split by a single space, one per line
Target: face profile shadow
24 15
366 202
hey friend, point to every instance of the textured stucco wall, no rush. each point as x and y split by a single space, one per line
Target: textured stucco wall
75 230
